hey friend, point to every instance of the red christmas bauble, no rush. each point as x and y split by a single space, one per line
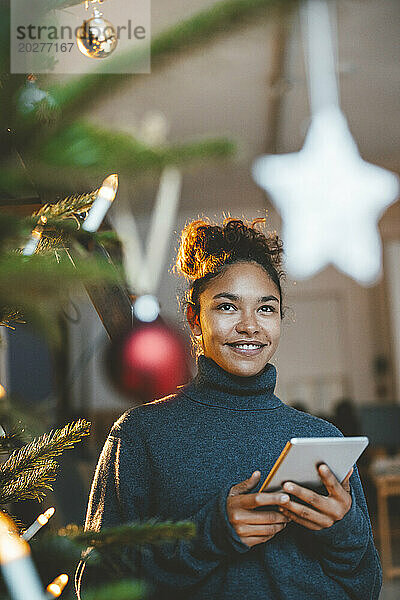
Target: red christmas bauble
149 362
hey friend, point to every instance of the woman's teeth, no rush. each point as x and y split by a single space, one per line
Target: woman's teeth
248 346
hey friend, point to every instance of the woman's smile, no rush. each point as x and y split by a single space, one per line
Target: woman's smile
239 321
247 348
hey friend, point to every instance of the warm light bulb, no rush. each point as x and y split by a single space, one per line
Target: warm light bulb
35 238
55 588
17 568
102 203
38 524
43 519
12 547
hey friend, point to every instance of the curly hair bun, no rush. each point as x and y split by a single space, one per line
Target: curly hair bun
204 247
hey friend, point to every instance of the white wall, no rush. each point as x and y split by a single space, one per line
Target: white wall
392 269
327 352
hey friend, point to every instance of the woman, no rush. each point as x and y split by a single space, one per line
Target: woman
197 454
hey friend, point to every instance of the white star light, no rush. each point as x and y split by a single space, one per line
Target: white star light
330 201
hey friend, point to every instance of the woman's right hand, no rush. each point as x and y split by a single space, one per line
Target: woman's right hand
255 526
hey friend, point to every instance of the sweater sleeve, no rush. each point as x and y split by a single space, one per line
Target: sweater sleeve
347 551
120 493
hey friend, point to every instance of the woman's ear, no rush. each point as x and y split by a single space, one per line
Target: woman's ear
193 320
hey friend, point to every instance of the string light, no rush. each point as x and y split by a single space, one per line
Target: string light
42 520
35 238
19 573
102 203
55 589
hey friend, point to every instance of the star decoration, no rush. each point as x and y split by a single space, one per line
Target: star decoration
330 201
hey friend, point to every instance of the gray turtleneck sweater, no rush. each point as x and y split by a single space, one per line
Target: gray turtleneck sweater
177 458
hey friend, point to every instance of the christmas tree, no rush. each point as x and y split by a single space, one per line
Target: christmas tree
49 151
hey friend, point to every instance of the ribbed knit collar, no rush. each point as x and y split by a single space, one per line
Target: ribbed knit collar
214 386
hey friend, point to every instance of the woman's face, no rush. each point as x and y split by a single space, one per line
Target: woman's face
239 320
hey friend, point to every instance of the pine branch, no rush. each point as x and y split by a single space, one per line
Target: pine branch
25 280
190 34
218 20
146 532
43 315
54 235
17 522
88 147
37 286
41 452
71 226
54 553
62 224
30 484
15 435
12 440
10 315
122 590
72 205
208 24
91 151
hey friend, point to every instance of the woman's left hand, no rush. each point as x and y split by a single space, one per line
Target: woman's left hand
321 511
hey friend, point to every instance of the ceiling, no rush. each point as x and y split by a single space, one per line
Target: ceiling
225 89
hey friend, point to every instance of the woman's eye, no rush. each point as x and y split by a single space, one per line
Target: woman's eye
221 306
268 308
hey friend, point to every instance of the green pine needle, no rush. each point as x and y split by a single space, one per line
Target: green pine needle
31 484
54 236
41 276
40 453
37 286
85 146
9 316
12 440
67 207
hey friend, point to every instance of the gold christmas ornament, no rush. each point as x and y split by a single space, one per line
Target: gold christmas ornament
97 37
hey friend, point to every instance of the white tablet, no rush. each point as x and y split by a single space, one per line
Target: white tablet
300 458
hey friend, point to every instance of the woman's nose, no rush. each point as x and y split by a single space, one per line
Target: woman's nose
247 324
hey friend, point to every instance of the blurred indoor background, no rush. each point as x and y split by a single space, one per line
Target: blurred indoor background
339 355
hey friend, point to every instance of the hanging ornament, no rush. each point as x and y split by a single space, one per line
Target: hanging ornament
97 37
32 98
151 359
329 198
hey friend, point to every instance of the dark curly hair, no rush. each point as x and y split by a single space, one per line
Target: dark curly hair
206 249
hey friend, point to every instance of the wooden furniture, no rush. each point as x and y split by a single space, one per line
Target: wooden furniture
386 485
